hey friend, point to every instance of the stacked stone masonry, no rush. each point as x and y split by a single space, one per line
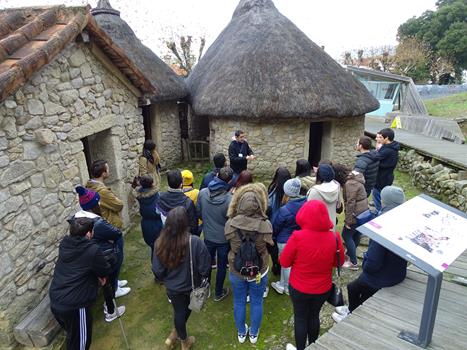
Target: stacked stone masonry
42 160
439 180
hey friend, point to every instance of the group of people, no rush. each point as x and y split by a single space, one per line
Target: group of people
243 226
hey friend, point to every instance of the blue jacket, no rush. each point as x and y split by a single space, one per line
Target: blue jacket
151 223
284 222
381 267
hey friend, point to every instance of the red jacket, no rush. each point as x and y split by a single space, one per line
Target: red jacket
311 251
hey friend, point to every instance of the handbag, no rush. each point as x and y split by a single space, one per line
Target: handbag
364 217
198 296
336 298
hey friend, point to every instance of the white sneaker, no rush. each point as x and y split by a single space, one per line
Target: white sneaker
338 318
122 291
266 292
350 266
290 347
278 287
122 283
343 310
242 337
254 338
117 313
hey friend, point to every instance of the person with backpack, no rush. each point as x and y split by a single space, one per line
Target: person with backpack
174 197
219 162
284 224
248 231
151 223
172 265
80 268
311 252
188 188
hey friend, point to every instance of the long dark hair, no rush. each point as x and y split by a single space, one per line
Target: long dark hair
244 178
340 173
148 147
281 175
171 246
302 168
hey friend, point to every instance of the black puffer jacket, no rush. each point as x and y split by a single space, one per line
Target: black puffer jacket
74 283
367 164
388 156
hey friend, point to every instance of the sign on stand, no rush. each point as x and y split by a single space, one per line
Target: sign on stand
429 234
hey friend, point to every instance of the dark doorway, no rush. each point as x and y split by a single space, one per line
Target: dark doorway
87 154
316 138
147 122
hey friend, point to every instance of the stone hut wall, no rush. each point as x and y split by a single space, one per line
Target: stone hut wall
439 180
275 143
165 126
42 160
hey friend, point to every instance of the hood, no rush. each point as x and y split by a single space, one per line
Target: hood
95 185
141 192
86 214
249 200
356 176
391 197
371 155
72 247
171 199
217 184
313 215
329 191
393 145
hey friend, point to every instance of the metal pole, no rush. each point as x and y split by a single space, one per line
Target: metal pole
121 324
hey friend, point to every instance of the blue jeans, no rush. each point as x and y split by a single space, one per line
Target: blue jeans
222 252
352 240
241 288
285 272
376 199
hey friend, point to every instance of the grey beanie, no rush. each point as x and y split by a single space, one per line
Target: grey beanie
392 196
292 187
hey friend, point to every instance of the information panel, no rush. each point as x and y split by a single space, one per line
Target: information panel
424 230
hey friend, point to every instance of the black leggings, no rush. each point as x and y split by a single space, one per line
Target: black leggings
109 294
180 304
359 292
306 308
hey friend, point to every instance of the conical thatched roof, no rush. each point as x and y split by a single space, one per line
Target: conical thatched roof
168 85
263 66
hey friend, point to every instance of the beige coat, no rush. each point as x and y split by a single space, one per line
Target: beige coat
148 168
247 211
355 199
111 205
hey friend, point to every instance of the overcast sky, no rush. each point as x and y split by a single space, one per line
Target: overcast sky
339 25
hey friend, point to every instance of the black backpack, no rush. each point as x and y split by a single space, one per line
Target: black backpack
247 260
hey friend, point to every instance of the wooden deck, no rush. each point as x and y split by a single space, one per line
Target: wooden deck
445 151
376 323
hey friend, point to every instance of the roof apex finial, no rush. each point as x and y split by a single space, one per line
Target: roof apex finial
104 7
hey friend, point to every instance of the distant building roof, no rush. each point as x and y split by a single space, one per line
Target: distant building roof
263 66
167 84
380 74
30 37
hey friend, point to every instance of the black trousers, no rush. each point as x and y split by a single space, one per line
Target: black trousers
180 304
78 327
359 292
109 295
306 308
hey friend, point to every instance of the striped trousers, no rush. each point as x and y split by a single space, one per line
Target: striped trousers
78 327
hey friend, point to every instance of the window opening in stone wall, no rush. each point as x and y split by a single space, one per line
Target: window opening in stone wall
147 122
316 137
100 146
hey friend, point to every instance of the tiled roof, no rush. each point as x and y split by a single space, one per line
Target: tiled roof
31 37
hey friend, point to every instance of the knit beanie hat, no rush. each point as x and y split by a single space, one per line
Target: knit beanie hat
292 188
392 196
325 173
187 176
87 199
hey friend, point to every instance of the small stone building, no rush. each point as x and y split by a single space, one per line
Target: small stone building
68 96
161 112
265 76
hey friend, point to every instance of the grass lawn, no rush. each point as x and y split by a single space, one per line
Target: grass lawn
449 106
148 318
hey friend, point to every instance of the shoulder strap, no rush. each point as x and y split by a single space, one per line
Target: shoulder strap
338 256
191 265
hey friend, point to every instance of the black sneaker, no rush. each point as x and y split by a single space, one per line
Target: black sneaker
224 294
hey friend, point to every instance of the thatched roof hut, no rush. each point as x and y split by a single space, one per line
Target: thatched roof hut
168 85
263 66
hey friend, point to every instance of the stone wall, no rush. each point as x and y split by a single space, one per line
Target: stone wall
276 143
340 138
166 130
442 181
42 160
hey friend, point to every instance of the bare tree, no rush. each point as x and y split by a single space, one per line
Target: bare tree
182 49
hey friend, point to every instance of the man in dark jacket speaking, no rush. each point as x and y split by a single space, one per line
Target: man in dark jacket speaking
239 152
80 267
367 163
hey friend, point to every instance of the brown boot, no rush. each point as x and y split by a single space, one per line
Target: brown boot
172 339
188 343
